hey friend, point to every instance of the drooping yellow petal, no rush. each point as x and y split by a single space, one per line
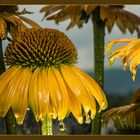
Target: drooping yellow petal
9 92
133 64
6 77
20 102
93 87
122 51
75 106
113 42
64 102
34 95
76 87
92 100
54 91
129 55
116 54
45 102
47 106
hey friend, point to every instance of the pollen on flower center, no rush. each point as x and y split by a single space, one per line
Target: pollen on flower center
40 48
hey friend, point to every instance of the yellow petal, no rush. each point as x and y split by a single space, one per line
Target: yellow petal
75 106
93 87
64 102
92 100
55 93
133 64
20 103
76 87
45 102
113 42
6 77
9 92
34 95
116 54
129 55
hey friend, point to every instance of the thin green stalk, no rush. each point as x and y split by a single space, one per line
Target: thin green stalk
99 33
46 126
2 65
9 118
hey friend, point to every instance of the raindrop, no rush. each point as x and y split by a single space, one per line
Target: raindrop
80 120
62 126
88 120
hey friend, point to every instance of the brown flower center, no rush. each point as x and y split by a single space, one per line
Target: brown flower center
40 48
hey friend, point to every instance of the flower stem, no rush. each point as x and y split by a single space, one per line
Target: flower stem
9 118
2 65
99 34
46 126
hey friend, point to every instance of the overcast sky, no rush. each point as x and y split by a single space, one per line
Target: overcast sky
82 38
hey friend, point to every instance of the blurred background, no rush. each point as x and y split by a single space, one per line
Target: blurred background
118 85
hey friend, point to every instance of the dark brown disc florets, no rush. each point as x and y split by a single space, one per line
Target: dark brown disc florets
40 48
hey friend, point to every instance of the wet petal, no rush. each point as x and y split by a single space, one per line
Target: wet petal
9 93
93 87
6 77
75 106
64 102
34 95
116 54
133 65
113 42
45 106
20 103
54 91
76 87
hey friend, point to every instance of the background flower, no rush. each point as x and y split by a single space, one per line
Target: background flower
128 53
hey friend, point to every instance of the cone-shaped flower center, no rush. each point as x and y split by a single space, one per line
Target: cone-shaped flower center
40 48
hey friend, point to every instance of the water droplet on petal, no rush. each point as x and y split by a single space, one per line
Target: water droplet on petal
52 115
88 120
102 120
62 126
80 120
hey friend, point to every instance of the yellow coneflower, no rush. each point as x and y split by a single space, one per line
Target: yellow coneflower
128 53
42 76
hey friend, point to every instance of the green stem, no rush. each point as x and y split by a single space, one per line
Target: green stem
99 33
46 126
9 118
2 65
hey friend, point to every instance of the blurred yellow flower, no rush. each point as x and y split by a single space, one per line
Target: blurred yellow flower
128 53
42 75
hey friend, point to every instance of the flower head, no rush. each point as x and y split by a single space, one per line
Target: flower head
12 21
128 53
125 118
42 76
80 14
